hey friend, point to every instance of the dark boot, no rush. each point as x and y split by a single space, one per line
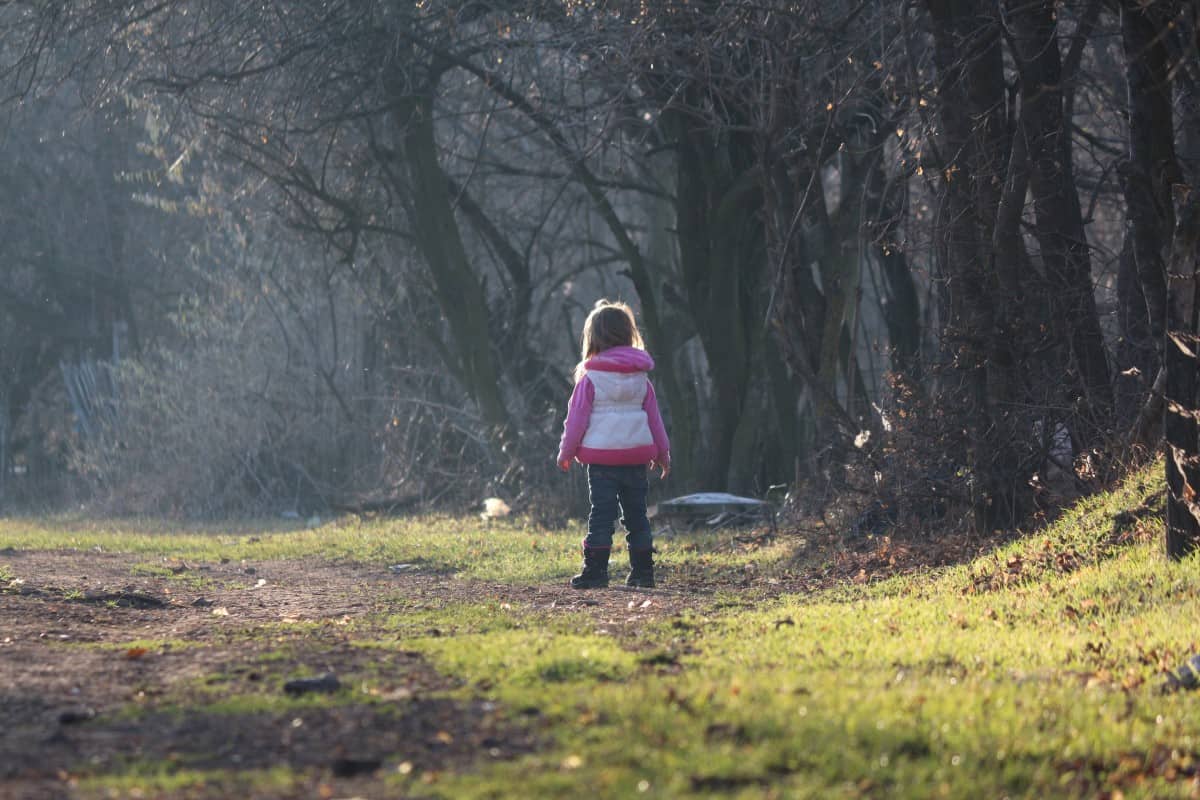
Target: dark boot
641 569
595 570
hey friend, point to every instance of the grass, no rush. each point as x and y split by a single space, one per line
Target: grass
1033 671
502 551
508 551
1045 685
169 780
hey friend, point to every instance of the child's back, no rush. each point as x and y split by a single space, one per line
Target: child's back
614 427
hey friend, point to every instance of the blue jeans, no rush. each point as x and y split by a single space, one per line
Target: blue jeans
608 487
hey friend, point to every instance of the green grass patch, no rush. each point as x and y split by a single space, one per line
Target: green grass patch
146 645
529 661
509 551
1033 671
1044 686
178 574
503 551
157 779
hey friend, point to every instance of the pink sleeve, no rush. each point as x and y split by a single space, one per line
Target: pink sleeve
579 412
650 405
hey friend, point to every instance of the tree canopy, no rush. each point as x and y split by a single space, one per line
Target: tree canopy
939 254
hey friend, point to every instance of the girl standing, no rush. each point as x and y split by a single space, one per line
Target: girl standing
614 427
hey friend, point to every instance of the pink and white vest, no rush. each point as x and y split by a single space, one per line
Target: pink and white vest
613 416
618 422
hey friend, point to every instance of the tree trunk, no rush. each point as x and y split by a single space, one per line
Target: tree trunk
1181 349
1181 361
459 291
973 153
1137 358
718 200
900 305
1058 218
798 307
1151 166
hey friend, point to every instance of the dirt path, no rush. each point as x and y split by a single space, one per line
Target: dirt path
67 667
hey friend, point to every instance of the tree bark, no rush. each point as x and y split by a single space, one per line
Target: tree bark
460 293
1181 361
718 200
1058 217
973 152
1150 167
1181 349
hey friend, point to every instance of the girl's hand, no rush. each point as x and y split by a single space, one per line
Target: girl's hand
564 464
665 466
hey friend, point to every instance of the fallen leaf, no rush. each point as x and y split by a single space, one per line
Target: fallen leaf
135 653
220 611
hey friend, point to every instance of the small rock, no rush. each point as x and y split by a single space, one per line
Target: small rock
1186 677
402 567
201 602
70 716
56 737
326 683
351 767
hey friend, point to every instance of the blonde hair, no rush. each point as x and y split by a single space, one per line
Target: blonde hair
610 324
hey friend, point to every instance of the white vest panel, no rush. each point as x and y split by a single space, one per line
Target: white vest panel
618 420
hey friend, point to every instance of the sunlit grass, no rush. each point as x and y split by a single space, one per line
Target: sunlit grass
913 688
505 551
168 780
1034 671
508 551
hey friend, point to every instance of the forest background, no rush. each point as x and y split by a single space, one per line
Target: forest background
936 257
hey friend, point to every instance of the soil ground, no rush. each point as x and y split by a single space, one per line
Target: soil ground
70 662
117 666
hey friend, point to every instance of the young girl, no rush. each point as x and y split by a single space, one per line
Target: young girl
614 427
